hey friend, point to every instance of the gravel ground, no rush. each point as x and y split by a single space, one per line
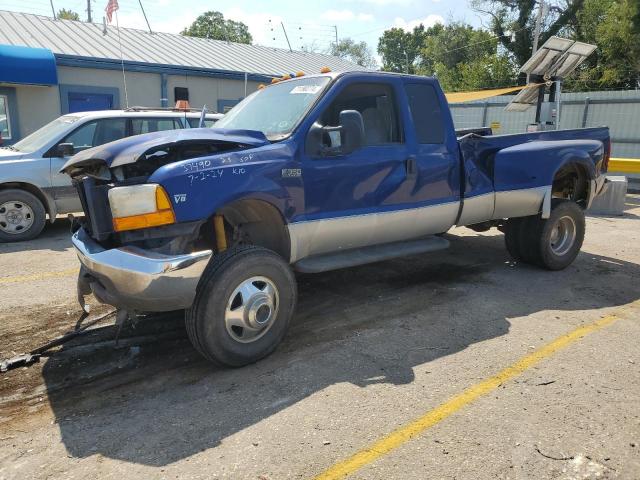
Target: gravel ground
370 349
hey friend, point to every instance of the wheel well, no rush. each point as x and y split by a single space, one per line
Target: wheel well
32 189
572 182
256 222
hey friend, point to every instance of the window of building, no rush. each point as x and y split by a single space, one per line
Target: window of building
426 113
376 104
147 125
5 121
97 132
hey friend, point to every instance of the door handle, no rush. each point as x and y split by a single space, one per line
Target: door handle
411 166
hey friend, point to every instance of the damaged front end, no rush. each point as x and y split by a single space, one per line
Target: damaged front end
134 253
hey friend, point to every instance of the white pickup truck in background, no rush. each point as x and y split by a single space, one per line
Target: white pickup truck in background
31 186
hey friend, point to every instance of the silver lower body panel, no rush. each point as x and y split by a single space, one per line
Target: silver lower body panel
344 233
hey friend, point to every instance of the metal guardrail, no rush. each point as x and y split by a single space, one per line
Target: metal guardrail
624 165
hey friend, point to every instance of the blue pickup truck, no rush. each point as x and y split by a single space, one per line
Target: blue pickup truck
310 174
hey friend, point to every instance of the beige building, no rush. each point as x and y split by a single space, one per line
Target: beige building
51 67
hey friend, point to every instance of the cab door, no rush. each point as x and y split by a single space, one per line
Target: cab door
345 193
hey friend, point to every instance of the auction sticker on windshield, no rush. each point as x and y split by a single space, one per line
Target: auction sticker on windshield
308 89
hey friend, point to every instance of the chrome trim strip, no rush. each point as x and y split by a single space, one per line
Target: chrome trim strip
142 280
477 209
333 234
519 203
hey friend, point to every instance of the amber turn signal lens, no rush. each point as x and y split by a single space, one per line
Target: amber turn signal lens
163 215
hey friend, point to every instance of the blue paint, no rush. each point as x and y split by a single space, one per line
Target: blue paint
27 66
372 179
83 98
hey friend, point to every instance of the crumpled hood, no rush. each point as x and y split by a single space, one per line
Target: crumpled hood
130 149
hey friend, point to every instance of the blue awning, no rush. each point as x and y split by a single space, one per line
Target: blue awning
27 66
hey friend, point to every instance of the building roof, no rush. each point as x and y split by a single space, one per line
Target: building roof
67 38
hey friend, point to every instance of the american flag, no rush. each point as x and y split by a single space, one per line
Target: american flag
112 6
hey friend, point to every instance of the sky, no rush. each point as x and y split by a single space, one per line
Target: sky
306 23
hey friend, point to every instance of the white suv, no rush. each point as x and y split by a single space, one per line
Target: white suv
31 187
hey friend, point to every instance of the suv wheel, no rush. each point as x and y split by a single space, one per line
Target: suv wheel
22 215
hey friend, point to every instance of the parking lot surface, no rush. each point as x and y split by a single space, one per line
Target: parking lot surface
458 364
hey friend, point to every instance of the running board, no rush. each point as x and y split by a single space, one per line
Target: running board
374 253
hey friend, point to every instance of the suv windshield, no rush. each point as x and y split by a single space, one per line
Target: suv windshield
276 109
45 135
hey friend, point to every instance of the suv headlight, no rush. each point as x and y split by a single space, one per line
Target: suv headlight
140 206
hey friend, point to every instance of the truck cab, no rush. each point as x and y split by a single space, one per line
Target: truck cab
310 174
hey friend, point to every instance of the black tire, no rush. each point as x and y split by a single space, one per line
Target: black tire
205 320
19 202
544 242
511 237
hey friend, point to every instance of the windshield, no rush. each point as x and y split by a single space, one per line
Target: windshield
45 135
276 109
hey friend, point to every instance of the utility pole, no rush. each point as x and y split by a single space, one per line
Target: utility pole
53 10
89 19
536 33
335 27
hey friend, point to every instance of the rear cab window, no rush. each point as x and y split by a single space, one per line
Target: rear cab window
426 112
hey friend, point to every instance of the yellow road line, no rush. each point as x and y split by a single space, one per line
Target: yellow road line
39 276
406 432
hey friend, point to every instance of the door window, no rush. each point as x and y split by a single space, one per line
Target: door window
147 125
376 104
97 132
5 121
425 112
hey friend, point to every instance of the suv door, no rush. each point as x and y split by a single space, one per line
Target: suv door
346 194
88 135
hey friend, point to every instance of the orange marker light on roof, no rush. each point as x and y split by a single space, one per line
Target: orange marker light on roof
275 80
286 77
325 70
299 74
261 86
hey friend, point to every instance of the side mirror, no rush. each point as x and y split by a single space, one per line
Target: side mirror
352 130
65 150
348 136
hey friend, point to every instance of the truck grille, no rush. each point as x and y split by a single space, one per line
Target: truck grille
95 203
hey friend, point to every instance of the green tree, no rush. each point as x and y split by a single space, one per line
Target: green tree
400 50
65 14
513 22
465 58
356 52
614 26
214 26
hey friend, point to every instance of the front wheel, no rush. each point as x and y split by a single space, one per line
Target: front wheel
22 216
243 306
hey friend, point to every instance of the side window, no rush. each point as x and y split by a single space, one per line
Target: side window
82 138
425 112
376 104
96 132
147 125
5 123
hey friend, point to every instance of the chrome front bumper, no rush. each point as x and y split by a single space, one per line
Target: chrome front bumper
135 279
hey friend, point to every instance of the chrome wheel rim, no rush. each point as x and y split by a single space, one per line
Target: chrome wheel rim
563 235
15 217
252 309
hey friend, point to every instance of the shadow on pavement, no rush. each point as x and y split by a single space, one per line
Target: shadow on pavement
56 237
365 325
